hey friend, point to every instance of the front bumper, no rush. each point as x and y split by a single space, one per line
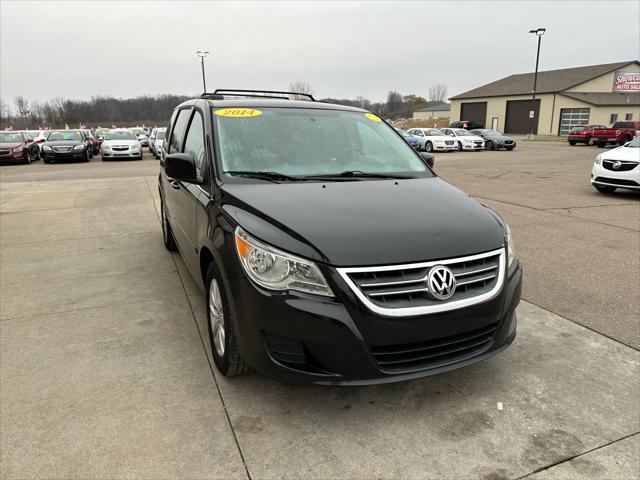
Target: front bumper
121 153
13 156
610 178
304 339
473 147
444 148
71 155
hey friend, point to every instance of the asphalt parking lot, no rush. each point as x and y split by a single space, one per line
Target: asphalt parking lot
105 370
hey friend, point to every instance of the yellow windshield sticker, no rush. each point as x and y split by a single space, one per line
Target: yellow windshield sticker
373 117
238 112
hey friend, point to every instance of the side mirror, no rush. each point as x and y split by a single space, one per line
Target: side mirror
427 158
182 167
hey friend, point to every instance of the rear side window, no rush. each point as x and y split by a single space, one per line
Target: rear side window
177 132
623 125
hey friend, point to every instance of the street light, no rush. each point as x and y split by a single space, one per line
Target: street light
538 32
202 54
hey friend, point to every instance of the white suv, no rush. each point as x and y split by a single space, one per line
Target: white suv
432 139
618 168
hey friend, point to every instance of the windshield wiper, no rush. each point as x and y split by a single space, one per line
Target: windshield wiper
359 174
262 175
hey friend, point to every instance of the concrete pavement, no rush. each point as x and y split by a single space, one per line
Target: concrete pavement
105 370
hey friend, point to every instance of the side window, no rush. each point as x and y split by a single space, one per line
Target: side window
614 118
419 133
177 132
194 143
628 116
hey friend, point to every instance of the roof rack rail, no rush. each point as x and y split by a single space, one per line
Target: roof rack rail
211 96
259 94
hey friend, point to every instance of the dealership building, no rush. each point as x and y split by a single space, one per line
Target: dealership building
565 98
441 110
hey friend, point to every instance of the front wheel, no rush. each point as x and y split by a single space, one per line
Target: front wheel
224 346
601 144
27 160
459 146
510 148
488 145
167 233
428 147
572 143
605 189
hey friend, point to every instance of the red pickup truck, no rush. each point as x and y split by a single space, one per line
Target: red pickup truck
620 133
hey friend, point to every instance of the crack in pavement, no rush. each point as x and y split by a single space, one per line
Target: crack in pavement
568 459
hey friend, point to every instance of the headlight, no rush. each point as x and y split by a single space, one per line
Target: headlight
277 270
511 249
106 147
79 147
46 148
599 159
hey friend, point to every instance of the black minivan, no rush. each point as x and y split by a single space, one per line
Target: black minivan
328 250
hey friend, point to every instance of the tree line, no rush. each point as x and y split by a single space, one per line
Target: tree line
156 110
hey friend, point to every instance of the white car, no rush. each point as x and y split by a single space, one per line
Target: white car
617 168
465 140
152 138
121 143
158 142
432 139
39 136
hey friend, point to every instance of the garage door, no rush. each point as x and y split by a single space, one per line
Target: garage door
572 117
517 116
474 112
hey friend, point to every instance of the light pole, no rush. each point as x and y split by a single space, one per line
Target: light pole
538 32
203 54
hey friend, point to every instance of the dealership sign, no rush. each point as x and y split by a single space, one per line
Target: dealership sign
626 82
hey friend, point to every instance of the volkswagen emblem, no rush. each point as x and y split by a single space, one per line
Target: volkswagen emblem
617 164
441 282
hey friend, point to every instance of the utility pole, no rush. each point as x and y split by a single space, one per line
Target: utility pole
202 54
538 32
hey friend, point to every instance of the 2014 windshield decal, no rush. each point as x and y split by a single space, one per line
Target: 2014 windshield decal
238 112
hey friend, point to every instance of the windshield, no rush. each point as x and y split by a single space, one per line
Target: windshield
120 135
138 131
635 143
34 133
490 132
299 142
433 133
461 132
160 135
101 131
10 137
65 135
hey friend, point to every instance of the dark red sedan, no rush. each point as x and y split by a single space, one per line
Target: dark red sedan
582 134
18 146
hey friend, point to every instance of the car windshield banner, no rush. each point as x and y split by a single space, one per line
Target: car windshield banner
626 82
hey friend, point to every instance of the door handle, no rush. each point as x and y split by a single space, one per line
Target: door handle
174 184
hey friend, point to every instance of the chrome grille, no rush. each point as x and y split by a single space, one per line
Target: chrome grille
401 290
448 142
62 149
5 152
625 166
120 148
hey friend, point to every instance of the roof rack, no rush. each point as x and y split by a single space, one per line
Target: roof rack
220 93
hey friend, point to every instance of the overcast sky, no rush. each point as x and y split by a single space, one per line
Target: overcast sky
123 48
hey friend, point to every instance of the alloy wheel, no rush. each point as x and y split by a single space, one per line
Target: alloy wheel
216 317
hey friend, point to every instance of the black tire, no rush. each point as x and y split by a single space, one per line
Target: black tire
102 158
27 160
167 233
38 156
601 144
428 147
625 140
510 148
87 157
605 189
488 145
459 146
229 362
572 143
47 161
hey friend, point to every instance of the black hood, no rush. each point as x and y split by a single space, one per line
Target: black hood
64 143
358 223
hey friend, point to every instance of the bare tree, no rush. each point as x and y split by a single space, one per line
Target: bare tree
23 108
438 93
299 86
363 102
5 110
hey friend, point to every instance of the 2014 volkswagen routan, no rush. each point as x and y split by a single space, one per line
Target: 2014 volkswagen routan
328 250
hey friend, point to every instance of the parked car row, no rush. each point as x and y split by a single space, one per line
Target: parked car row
619 134
451 139
74 144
